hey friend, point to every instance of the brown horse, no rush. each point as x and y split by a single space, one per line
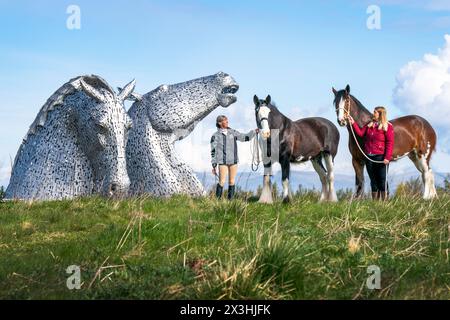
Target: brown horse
413 137
286 141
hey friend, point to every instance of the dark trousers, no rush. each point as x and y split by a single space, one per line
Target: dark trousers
377 173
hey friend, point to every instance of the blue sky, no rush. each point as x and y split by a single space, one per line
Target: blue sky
294 50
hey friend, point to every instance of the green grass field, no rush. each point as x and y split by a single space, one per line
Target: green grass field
183 248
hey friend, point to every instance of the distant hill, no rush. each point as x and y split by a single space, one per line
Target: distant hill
249 181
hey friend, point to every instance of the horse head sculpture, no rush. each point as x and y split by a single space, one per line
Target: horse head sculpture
163 116
76 145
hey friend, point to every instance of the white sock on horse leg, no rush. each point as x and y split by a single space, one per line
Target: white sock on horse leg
285 188
330 178
266 193
323 180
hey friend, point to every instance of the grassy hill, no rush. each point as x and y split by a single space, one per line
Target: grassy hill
183 248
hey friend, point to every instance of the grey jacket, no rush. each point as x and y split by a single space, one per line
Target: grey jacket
224 147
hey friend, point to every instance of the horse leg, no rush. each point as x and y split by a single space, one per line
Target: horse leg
432 184
317 165
429 190
266 193
358 166
330 178
285 170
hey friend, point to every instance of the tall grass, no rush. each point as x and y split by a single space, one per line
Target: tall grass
203 248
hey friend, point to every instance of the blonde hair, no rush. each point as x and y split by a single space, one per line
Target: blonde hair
382 112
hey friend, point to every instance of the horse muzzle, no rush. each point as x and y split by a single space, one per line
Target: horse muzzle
342 122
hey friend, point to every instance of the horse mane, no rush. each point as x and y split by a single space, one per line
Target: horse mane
359 104
57 98
274 105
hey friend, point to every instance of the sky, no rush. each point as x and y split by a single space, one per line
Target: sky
293 50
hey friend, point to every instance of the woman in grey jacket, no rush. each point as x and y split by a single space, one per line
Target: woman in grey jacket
224 153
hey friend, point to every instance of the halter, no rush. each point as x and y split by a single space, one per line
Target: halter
254 147
346 107
263 118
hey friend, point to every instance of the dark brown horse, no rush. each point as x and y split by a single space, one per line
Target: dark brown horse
413 137
286 141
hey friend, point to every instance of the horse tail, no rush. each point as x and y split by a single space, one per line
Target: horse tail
331 140
319 159
427 140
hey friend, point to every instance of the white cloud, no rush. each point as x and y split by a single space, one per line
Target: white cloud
423 87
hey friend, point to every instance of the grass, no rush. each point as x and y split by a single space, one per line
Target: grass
183 248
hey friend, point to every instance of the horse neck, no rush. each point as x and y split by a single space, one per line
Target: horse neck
282 122
360 114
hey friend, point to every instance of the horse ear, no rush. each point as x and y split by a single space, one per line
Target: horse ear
347 89
92 92
268 99
256 100
334 91
127 91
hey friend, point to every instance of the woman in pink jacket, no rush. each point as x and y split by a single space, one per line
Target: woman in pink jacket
378 145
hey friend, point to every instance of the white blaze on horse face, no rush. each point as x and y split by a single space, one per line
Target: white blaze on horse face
264 114
341 112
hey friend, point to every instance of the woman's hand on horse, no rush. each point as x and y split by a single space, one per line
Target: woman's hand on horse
386 161
350 119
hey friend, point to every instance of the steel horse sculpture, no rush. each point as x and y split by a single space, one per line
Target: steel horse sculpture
160 118
76 145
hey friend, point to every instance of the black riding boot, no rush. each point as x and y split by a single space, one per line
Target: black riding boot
230 192
219 190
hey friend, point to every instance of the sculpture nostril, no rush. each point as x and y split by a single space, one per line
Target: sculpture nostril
114 187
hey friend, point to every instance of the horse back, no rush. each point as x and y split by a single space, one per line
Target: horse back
319 133
413 132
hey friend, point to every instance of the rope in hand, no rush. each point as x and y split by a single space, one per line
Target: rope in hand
367 157
254 150
347 113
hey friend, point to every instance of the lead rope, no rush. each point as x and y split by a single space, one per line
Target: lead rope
347 111
254 150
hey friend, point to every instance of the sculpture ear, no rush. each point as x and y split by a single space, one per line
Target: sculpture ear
347 89
92 92
256 100
334 91
127 91
134 96
268 99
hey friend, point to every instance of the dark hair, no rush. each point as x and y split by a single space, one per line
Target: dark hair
219 120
